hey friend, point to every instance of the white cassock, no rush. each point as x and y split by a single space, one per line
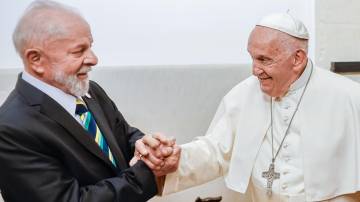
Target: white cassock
324 141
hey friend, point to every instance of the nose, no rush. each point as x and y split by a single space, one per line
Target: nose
256 70
91 59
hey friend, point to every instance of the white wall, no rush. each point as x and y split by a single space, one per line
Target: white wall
338 31
162 32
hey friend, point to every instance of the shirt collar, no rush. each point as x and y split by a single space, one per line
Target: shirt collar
67 101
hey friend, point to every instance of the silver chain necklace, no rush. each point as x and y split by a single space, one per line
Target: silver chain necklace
271 175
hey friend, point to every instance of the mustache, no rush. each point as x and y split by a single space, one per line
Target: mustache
84 70
263 76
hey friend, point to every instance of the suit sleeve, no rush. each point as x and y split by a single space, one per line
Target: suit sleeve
28 172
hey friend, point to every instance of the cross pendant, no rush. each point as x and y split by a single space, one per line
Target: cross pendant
270 176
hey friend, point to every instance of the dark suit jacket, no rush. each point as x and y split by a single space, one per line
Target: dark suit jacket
46 155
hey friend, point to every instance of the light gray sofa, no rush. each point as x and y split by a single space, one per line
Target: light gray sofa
177 100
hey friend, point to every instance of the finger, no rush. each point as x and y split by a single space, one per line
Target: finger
169 141
150 164
156 152
159 173
166 151
140 148
151 141
133 161
154 159
172 162
172 141
161 137
136 155
176 150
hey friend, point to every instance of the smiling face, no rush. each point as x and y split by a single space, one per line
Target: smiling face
65 60
273 62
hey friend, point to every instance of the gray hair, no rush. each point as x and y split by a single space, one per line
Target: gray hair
292 44
36 24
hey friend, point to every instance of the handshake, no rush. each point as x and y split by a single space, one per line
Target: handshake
160 153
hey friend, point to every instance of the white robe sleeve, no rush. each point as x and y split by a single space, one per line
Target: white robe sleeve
207 157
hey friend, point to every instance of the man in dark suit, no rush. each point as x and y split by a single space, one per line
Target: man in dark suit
61 137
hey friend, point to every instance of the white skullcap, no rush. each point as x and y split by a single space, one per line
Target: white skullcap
284 22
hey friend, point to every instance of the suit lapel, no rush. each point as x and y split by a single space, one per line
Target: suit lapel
102 122
53 110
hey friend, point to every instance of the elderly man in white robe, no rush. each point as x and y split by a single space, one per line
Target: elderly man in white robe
290 132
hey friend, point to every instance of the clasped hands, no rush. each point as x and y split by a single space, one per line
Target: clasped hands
160 153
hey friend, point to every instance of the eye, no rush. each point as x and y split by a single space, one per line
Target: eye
78 52
265 60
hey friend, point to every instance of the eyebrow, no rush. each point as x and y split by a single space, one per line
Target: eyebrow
79 46
263 56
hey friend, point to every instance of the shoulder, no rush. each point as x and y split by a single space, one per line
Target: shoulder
98 93
95 88
19 121
244 89
335 83
101 97
15 108
241 94
334 86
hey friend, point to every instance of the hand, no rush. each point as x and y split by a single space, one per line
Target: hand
158 152
171 163
168 165
155 148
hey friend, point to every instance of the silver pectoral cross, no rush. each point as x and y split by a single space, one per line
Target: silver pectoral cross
270 176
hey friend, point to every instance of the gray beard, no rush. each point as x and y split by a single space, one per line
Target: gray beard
75 86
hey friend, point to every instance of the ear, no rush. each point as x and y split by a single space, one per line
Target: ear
34 58
300 58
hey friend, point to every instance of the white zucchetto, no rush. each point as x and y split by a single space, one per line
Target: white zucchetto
284 22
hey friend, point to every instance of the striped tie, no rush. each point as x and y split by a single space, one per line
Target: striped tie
88 122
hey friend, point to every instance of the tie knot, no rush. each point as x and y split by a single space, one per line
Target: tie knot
80 107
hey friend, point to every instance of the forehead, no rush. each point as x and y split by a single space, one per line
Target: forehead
262 35
73 28
66 21
263 40
74 24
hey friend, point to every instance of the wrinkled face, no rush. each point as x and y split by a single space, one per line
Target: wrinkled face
272 64
69 58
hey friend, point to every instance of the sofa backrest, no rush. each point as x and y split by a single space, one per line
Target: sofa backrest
179 101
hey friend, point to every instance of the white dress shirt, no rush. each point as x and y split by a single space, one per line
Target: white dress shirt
67 101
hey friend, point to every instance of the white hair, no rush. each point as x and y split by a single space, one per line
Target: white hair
37 24
291 43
